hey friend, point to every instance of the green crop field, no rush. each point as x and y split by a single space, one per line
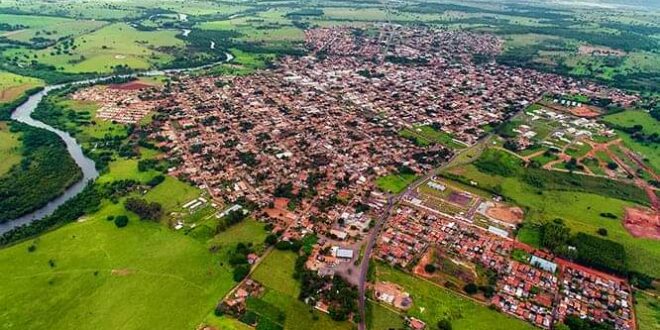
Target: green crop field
9 148
92 274
432 303
13 86
282 290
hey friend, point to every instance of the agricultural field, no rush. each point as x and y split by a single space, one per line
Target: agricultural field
432 303
43 30
9 148
12 86
90 267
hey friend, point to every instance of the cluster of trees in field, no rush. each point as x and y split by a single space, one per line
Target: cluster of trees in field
585 249
144 209
238 260
45 171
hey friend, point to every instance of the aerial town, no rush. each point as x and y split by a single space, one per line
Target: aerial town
345 176
305 141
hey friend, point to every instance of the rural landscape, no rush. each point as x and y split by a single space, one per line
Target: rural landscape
330 164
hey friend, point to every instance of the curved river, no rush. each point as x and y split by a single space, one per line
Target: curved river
23 114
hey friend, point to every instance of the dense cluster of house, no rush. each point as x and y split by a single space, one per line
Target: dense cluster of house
537 287
121 105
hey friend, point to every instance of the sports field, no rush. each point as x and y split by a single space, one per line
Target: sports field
432 303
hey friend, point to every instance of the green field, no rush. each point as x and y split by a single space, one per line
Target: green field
580 210
172 194
650 125
9 148
102 277
395 183
104 49
432 303
647 309
125 169
381 317
282 290
13 86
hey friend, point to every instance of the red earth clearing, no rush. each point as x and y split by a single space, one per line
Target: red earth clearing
642 223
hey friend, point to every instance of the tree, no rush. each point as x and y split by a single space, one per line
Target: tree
271 239
602 231
241 271
444 324
429 268
471 288
121 221
554 234
612 166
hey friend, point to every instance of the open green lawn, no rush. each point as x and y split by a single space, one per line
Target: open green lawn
282 290
432 303
395 183
580 210
380 317
9 148
102 277
13 86
647 310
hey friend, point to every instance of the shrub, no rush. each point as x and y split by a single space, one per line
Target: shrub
471 288
429 268
602 231
121 221
444 324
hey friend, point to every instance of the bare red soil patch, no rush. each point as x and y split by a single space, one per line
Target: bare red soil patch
642 223
130 86
585 111
509 214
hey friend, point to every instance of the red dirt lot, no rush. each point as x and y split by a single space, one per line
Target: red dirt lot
642 223
130 86
507 214
584 111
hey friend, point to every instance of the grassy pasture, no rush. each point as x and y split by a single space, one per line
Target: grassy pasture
100 277
47 27
9 148
647 310
426 135
110 46
12 86
432 303
650 125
